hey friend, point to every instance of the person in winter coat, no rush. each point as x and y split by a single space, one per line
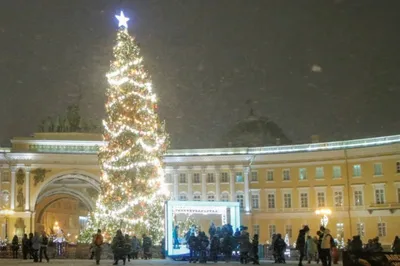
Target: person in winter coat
25 247
214 248
44 241
193 244
135 246
245 247
254 246
15 247
272 247
301 243
30 250
118 247
204 242
97 246
396 245
212 230
228 244
147 244
128 247
280 247
175 236
35 247
326 245
311 249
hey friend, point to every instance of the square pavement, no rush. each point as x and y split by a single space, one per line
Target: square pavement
155 262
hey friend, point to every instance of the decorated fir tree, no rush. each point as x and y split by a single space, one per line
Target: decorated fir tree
133 190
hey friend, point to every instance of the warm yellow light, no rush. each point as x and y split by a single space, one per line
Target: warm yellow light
323 212
7 212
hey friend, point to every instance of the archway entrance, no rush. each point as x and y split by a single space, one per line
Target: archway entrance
62 204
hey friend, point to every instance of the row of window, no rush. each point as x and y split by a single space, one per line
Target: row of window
360 227
286 174
303 200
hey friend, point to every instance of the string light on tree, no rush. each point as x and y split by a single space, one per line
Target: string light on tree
132 180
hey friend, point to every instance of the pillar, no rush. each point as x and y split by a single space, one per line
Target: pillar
246 189
203 185
232 185
175 175
190 185
27 189
12 201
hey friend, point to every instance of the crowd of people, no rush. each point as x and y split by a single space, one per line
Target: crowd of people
33 247
123 247
322 247
219 241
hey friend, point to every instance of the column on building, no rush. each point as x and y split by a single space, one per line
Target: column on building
1 181
12 200
190 184
27 189
232 184
176 184
203 184
217 185
246 189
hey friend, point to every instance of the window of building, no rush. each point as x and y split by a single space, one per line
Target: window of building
270 175
196 178
337 172
254 176
255 201
286 175
361 229
272 230
379 195
381 229
197 196
211 196
288 230
182 178
397 167
240 199
302 174
224 177
168 178
321 199
239 177
256 229
338 198
5 176
356 170
210 178
378 169
5 199
183 196
319 172
340 229
225 196
303 200
358 198
398 195
271 201
287 200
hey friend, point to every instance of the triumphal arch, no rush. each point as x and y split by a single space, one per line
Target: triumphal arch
39 172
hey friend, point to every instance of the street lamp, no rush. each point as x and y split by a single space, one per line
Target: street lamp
6 213
324 213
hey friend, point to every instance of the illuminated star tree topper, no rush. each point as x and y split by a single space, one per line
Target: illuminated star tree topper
122 20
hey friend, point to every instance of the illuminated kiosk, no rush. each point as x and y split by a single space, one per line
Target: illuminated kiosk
228 211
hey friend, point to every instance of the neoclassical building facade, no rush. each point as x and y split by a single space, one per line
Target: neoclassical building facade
353 186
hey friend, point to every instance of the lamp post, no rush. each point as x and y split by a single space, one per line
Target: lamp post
324 213
6 214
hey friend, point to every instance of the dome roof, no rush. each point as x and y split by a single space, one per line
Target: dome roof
254 131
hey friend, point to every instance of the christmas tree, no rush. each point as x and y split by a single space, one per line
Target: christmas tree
133 190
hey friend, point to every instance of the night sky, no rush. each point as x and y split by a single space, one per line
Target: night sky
328 67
